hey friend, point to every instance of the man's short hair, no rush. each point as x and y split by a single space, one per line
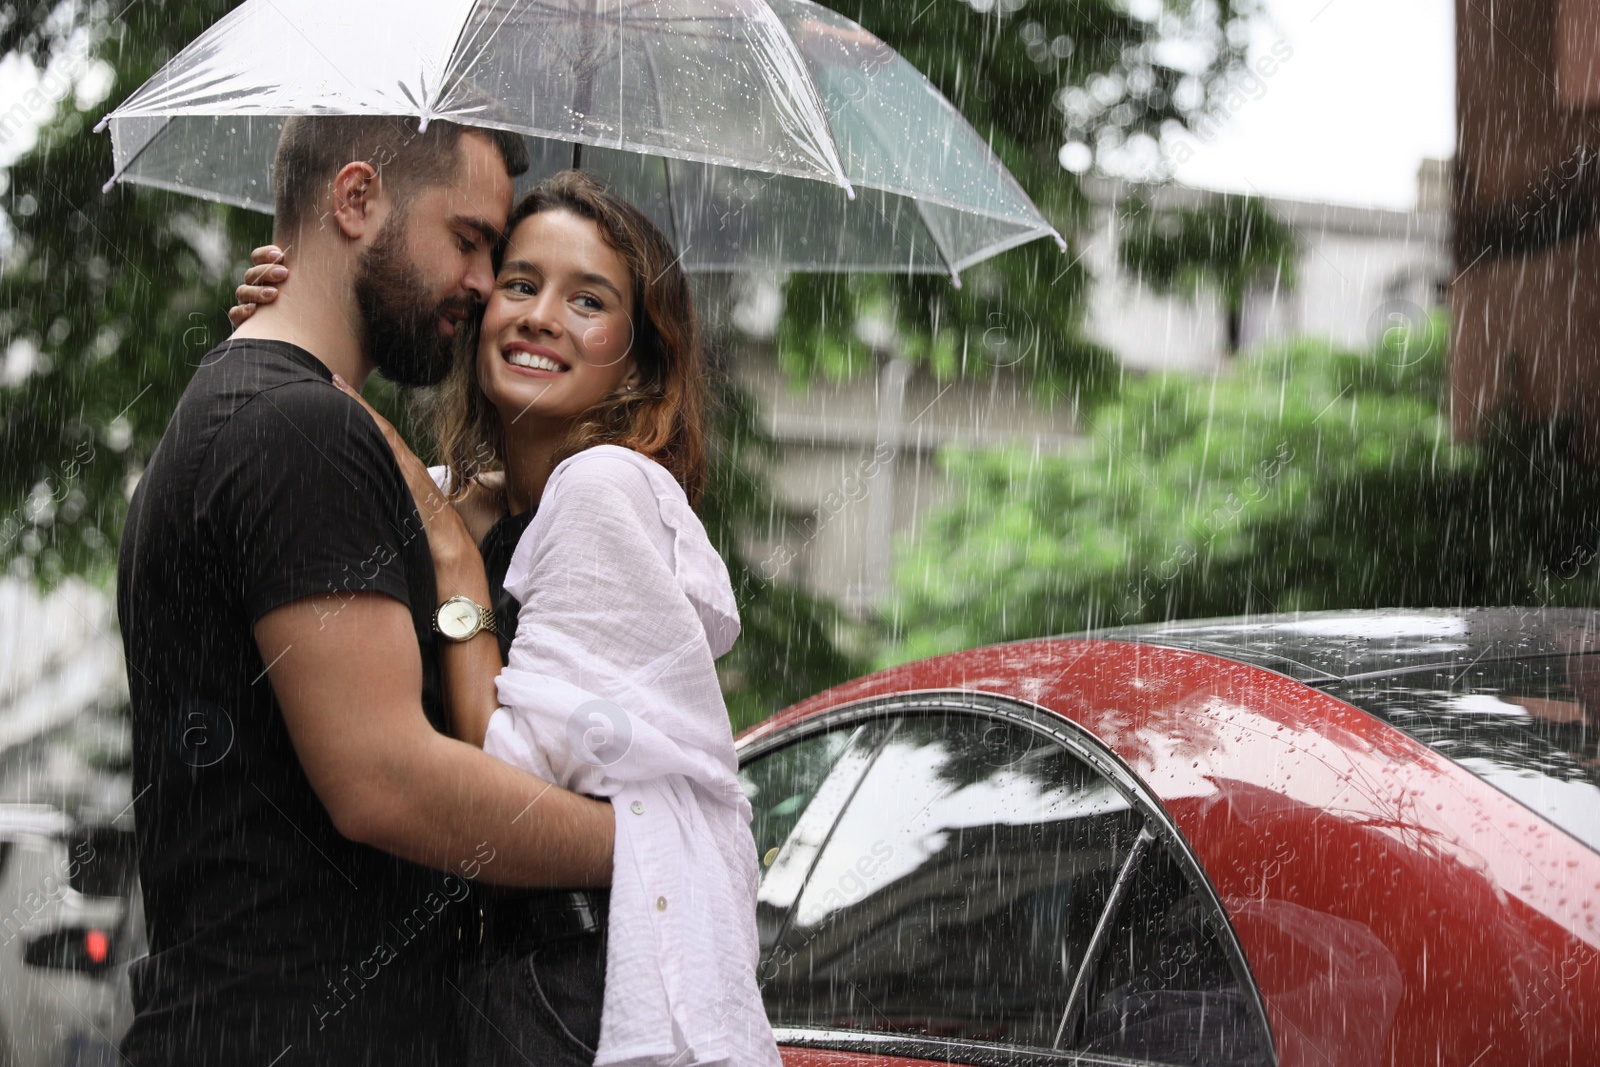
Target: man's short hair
314 148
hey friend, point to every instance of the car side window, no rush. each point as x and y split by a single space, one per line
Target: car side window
982 882
959 891
796 793
780 784
1163 987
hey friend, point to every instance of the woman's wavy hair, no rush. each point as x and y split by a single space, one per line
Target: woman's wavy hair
662 417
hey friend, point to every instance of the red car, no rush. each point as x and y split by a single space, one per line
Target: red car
1329 839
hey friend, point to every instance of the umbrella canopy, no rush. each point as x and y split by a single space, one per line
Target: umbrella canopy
756 133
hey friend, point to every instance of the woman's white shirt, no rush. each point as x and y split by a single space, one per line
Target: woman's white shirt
611 690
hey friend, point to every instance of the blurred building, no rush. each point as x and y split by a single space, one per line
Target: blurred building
843 505
1359 268
1527 300
64 736
858 466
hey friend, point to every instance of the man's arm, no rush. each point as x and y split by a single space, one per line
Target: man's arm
348 676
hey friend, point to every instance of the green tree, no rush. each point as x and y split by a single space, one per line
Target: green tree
1299 478
106 300
1230 244
1031 76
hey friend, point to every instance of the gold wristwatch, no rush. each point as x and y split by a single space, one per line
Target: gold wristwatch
461 618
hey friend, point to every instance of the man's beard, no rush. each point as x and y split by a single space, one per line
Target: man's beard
400 314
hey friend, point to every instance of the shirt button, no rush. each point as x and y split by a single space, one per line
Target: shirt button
661 903
637 807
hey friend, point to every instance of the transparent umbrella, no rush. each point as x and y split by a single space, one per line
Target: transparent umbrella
931 197
757 133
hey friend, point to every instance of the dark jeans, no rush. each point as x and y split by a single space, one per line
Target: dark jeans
534 1002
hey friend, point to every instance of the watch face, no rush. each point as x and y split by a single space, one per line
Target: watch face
458 619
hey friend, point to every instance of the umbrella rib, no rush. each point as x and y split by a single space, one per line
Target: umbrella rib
236 15
666 164
944 253
820 109
454 65
118 172
208 195
191 46
990 250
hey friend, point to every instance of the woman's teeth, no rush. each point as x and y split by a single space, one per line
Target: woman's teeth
533 362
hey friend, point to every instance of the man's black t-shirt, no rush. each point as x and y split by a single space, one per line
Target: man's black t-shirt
272 937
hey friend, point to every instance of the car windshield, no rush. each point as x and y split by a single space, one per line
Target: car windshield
1527 726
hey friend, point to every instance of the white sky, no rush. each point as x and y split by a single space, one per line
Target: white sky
87 80
1367 94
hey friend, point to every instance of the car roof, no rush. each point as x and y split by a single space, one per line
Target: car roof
1321 647
1314 648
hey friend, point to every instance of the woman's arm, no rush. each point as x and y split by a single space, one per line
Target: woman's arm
468 667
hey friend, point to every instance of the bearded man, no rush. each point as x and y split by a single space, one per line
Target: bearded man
306 825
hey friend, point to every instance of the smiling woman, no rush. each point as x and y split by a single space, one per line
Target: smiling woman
585 383
590 337
557 334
